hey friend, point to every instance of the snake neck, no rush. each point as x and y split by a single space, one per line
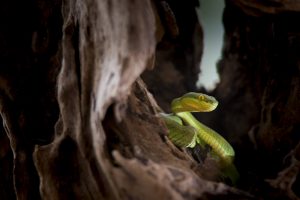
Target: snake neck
216 141
189 119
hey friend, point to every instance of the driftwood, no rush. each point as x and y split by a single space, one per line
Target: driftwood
79 122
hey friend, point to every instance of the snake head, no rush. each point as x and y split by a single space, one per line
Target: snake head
194 102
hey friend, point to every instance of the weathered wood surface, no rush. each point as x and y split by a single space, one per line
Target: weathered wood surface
79 123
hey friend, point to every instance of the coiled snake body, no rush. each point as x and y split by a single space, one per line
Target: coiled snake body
186 131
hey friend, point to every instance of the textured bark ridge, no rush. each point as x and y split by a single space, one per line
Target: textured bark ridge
29 64
259 95
80 123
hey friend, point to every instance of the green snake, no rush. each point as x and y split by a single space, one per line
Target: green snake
186 131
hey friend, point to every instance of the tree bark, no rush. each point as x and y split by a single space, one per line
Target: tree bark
80 123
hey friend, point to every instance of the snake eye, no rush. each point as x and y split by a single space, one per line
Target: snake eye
201 97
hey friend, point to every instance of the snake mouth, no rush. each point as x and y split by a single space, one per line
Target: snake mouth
200 107
207 107
212 106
